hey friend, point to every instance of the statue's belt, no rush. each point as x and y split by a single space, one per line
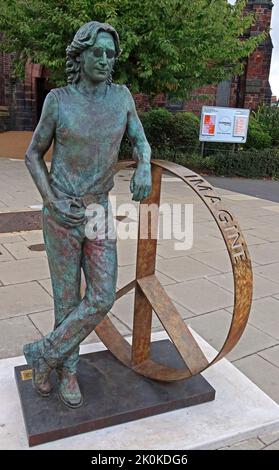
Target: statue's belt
90 198
84 200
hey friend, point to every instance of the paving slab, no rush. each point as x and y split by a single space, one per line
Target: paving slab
267 232
10 238
214 328
127 253
20 250
240 197
252 239
207 228
199 296
269 219
262 287
269 438
274 446
184 268
21 299
3 206
43 321
249 444
271 355
46 284
166 249
240 411
266 253
15 272
264 316
218 260
273 208
207 243
14 333
5 255
34 236
262 373
270 271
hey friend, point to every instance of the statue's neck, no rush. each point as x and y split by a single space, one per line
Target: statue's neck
96 90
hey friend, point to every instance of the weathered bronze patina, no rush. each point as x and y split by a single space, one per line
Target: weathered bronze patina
86 120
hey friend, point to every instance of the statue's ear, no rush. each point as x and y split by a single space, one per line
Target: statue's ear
78 58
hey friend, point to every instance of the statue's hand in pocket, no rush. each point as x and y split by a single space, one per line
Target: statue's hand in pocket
68 211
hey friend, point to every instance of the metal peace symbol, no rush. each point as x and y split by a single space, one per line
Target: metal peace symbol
150 295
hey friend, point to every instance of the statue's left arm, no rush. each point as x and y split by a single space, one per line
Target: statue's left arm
141 183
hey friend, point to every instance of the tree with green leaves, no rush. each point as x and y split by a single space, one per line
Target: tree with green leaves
169 46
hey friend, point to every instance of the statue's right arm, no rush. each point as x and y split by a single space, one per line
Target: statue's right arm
41 141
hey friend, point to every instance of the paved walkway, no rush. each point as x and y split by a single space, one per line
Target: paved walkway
198 280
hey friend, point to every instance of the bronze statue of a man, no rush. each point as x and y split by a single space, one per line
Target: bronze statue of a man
86 120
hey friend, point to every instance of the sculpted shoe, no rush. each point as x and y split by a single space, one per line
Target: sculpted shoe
40 369
68 389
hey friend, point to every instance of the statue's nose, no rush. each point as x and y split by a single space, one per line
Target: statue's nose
103 62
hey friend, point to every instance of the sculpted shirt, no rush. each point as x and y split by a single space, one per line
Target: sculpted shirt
87 138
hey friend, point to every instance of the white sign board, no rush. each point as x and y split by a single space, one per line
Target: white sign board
224 124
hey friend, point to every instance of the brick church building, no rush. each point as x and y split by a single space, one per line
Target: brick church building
21 101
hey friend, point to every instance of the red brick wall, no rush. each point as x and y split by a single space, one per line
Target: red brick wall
143 102
257 88
200 97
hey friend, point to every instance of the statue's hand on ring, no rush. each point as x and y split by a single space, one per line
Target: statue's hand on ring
141 184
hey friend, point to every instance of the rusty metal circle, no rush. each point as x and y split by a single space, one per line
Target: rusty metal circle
242 274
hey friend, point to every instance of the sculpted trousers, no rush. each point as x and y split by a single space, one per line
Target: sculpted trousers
69 251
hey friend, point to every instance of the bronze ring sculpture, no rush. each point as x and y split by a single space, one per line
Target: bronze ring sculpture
150 295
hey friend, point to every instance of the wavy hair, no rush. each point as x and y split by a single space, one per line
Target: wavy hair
84 38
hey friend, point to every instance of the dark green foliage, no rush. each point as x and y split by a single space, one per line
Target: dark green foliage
185 131
168 46
258 136
158 124
164 130
268 118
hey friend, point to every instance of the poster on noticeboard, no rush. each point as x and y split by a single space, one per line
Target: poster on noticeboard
224 124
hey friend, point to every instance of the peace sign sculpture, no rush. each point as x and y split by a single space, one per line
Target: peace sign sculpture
150 295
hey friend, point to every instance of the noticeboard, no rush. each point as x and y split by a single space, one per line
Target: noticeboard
224 124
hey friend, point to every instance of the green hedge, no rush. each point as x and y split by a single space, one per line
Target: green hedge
248 164
166 131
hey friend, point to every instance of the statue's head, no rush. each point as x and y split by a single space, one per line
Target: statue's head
93 52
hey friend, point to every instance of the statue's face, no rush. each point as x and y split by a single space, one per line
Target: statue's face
97 61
